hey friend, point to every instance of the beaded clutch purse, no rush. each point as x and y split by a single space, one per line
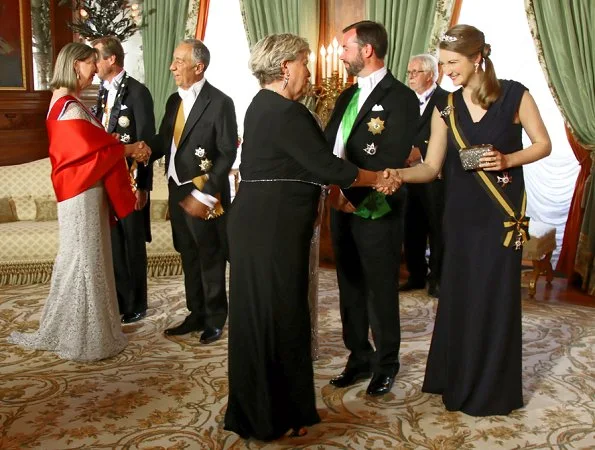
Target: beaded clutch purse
470 156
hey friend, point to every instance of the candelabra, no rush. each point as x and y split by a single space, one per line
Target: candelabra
334 78
326 94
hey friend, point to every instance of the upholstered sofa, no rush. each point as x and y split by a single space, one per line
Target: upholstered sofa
29 227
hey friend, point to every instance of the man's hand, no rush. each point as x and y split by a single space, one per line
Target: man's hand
139 151
195 208
141 199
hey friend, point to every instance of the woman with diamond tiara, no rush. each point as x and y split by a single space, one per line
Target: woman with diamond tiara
475 354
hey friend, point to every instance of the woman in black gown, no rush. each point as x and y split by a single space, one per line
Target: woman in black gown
285 161
475 355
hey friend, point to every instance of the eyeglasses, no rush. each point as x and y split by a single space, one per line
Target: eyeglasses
414 73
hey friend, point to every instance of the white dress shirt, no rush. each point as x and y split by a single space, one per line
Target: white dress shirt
112 90
424 98
366 86
188 97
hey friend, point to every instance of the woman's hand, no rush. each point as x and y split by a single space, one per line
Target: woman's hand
493 161
338 200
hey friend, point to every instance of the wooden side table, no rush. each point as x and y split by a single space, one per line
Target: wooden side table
539 251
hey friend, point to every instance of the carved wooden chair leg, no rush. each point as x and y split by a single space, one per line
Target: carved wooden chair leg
549 273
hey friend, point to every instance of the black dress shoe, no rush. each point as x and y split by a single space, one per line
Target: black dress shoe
188 326
349 377
210 335
434 290
380 384
410 285
133 317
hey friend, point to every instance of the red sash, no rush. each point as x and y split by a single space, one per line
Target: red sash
82 154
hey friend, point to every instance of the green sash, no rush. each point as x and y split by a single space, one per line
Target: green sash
516 224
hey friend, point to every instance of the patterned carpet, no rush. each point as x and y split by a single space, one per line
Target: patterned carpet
170 393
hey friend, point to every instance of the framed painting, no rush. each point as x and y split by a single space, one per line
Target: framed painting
12 51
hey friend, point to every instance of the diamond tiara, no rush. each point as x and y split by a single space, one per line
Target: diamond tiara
446 38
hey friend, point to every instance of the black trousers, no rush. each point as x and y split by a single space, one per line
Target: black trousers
423 222
367 254
202 245
129 252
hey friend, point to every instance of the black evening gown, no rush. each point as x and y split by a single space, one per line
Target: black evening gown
475 355
270 224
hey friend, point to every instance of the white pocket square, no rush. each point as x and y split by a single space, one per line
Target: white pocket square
123 107
377 108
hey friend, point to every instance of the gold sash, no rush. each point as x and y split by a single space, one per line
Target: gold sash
515 223
179 124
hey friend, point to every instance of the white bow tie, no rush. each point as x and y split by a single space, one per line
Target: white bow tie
365 83
186 94
113 86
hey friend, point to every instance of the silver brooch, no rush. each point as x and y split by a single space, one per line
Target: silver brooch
205 165
505 179
200 152
123 121
370 149
125 138
446 111
447 38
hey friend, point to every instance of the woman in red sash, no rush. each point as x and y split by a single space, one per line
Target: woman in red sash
80 320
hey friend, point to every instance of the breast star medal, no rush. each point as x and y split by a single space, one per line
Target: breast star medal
123 121
370 149
205 165
375 125
200 152
125 138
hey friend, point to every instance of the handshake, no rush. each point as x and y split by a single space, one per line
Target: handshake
386 181
139 151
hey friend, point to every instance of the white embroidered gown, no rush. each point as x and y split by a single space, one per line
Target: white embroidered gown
80 319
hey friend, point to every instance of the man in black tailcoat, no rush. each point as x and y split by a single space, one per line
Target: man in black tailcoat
372 125
125 107
425 202
198 136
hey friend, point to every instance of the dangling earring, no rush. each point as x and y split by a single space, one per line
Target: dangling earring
78 76
476 67
285 81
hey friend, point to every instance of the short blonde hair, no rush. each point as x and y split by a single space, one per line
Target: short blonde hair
271 52
64 73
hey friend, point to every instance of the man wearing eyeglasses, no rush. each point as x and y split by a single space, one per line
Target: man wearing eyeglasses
425 202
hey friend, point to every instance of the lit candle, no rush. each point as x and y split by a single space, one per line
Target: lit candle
329 61
312 68
335 54
322 61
